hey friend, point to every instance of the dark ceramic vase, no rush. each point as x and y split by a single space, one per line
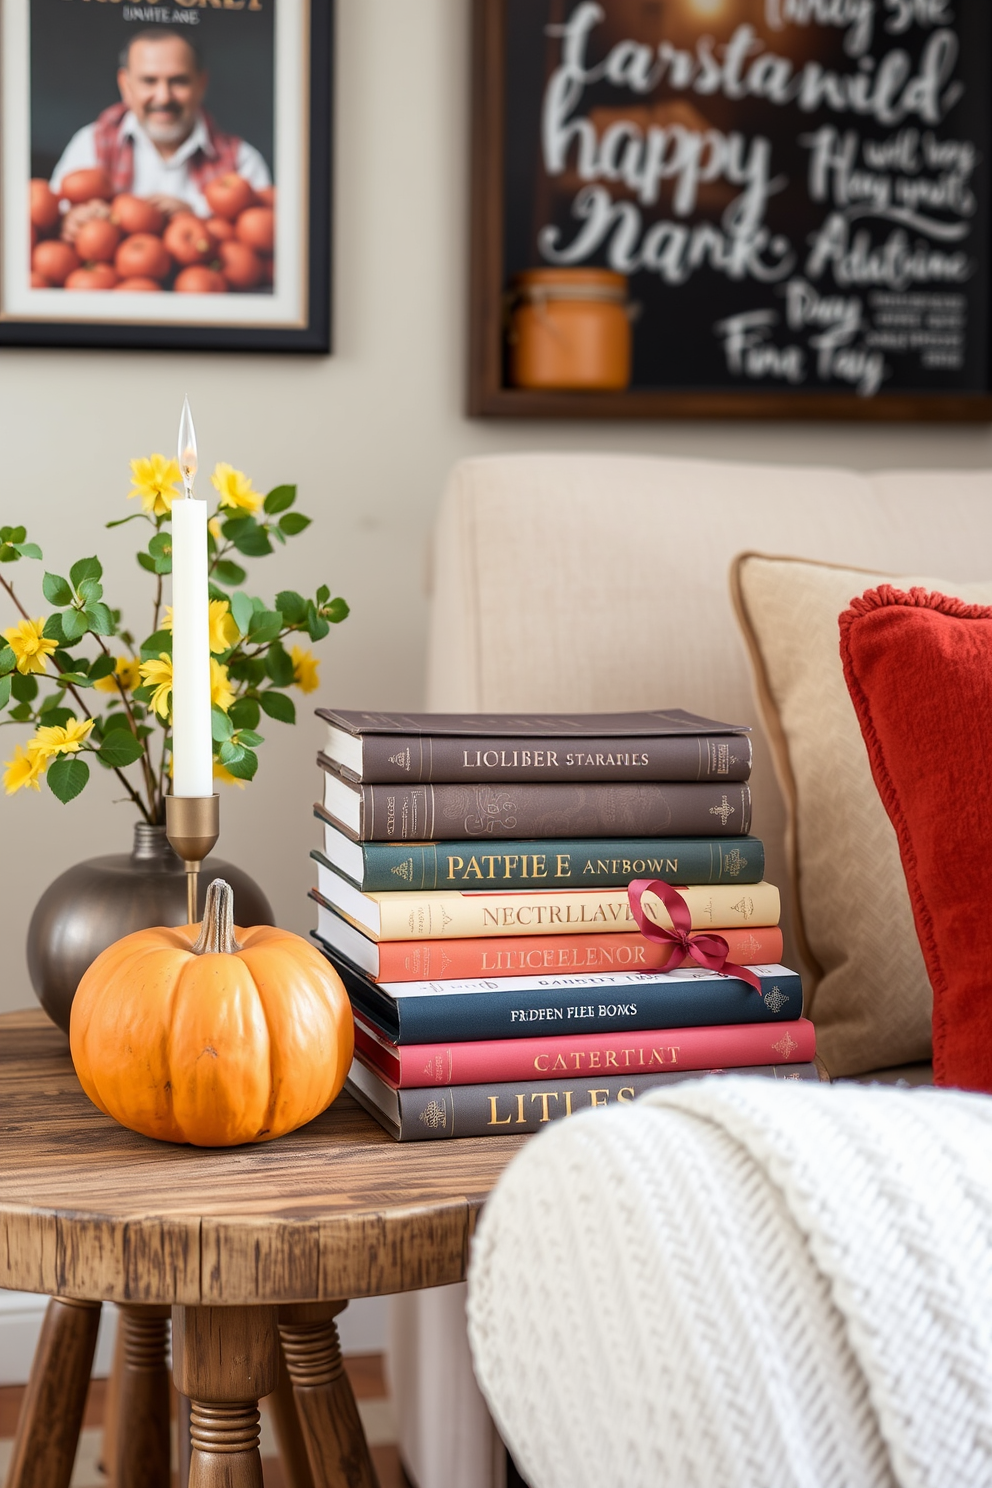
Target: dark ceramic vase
93 904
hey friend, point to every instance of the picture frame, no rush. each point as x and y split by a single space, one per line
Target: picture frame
920 350
258 102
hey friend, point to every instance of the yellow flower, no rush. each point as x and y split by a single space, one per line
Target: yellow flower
222 773
29 645
26 768
155 481
235 488
223 627
222 694
158 674
214 527
127 672
52 740
305 667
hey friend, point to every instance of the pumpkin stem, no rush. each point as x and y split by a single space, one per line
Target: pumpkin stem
217 930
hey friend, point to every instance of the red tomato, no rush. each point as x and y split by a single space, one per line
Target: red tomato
267 196
44 207
229 195
96 241
84 185
38 281
188 240
100 276
220 229
199 280
257 228
240 265
142 256
55 260
136 216
137 285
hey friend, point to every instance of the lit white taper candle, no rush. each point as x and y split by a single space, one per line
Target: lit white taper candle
192 750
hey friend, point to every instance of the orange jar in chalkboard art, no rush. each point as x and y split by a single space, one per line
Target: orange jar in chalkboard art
569 328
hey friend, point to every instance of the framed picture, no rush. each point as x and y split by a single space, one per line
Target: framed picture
731 209
165 174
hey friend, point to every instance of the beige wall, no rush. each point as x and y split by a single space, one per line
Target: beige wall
368 434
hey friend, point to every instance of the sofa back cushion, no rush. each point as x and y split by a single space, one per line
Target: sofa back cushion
600 581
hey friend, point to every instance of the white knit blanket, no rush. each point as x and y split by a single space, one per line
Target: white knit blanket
739 1283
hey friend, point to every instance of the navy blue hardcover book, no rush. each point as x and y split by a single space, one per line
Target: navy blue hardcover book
525 1007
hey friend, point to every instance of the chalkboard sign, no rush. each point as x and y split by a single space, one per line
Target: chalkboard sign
797 193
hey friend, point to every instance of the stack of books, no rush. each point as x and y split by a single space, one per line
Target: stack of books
472 894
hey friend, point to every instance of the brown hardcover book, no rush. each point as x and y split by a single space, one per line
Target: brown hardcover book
452 747
429 813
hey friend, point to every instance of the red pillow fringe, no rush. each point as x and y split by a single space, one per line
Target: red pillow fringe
919 599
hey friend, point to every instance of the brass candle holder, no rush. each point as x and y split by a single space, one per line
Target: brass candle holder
192 825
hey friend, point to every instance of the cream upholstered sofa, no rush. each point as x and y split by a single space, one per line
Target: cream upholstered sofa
587 582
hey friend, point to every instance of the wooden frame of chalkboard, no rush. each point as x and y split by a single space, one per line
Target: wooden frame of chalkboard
967 316
267 68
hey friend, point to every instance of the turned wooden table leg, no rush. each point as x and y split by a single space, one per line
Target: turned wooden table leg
111 1412
54 1401
332 1428
225 1359
293 1455
141 1453
185 1446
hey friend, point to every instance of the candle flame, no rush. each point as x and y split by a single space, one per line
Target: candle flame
187 448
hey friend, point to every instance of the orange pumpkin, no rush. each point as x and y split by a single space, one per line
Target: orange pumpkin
215 1038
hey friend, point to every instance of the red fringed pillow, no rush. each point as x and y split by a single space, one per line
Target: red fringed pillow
919 671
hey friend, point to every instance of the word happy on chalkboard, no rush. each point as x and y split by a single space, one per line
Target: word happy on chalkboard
797 192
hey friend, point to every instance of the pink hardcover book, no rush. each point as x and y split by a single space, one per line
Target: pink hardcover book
733 1046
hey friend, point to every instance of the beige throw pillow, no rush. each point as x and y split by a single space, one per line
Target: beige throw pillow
869 995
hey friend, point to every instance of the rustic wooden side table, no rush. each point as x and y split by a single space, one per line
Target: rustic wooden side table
254 1250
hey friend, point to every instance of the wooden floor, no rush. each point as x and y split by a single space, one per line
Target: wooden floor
364 1371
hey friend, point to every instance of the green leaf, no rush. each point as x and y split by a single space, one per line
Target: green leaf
90 590
230 753
21 713
13 534
317 626
250 737
292 606
245 767
244 714
249 669
121 521
336 611
4 692
56 717
8 554
215 592
152 648
113 723
323 594
241 609
120 749
57 591
229 573
75 679
8 660
279 499
53 628
67 776
100 619
265 626
86 568
277 705
27 550
293 523
248 537
279 536
279 665
220 725
160 549
74 625
148 564
101 667
24 688
144 692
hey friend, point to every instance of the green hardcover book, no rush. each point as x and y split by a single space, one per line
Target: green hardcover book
599 862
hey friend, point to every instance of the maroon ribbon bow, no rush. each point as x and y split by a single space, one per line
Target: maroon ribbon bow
710 951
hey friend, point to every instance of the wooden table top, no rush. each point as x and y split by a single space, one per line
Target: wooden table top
335 1210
